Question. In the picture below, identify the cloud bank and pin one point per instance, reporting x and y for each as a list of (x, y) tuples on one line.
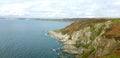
[(60, 8)]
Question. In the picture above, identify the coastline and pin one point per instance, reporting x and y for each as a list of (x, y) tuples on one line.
[(89, 38), (68, 45)]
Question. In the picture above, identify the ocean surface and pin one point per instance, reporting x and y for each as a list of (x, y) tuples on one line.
[(29, 39)]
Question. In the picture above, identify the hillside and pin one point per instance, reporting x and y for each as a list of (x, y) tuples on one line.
[(91, 38)]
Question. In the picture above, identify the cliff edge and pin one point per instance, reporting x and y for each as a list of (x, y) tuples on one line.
[(91, 38)]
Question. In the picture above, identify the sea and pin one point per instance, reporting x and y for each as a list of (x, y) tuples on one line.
[(29, 39)]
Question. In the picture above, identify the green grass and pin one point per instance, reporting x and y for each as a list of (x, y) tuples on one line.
[(57, 30), (117, 20), (76, 45), (87, 54), (112, 56), (87, 45)]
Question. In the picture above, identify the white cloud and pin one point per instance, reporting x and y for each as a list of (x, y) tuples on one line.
[(19, 8), (88, 13), (15, 9), (117, 3), (61, 8), (90, 16)]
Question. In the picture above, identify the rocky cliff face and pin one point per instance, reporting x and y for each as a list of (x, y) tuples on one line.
[(90, 38)]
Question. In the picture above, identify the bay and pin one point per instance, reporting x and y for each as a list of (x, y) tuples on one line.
[(28, 39)]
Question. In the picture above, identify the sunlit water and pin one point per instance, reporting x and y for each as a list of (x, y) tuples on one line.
[(28, 39)]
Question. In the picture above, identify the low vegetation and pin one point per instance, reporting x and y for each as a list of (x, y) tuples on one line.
[(95, 38)]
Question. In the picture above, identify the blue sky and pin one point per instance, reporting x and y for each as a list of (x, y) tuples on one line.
[(60, 8)]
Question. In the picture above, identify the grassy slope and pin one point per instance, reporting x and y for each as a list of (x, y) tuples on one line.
[(80, 24), (114, 31)]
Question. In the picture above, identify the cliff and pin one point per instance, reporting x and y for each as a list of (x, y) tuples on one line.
[(91, 38)]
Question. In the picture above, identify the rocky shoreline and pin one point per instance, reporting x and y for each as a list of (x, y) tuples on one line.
[(68, 45), (90, 38)]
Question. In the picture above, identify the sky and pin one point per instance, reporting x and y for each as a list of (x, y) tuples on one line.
[(60, 8)]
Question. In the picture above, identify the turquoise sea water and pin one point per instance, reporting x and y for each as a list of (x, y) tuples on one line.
[(28, 39)]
